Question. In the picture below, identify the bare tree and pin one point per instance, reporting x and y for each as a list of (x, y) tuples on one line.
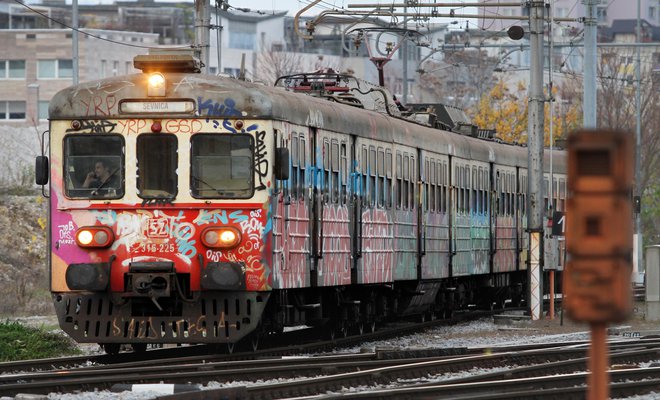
[(617, 109)]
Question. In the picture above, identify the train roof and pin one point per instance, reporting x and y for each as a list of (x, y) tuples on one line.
[(220, 97)]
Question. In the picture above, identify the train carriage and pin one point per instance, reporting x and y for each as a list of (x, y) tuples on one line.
[(187, 208)]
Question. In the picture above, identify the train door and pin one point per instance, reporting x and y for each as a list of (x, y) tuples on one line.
[(434, 221), (332, 237), (372, 187), (462, 262), (479, 217), (404, 213), (294, 271), (505, 233)]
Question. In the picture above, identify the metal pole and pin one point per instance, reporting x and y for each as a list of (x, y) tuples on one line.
[(74, 41), (598, 378), (404, 50), (590, 60), (535, 158), (202, 32), (637, 265)]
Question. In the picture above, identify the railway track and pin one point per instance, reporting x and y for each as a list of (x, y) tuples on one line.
[(367, 369)]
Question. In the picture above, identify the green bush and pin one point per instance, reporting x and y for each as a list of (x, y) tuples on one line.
[(19, 342)]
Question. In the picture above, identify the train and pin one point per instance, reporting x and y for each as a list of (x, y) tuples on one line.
[(190, 208)]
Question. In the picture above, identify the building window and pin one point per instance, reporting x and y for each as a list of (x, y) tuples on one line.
[(12, 110), (12, 69), (242, 35), (54, 69), (43, 109)]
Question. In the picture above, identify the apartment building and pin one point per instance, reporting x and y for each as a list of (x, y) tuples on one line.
[(37, 63)]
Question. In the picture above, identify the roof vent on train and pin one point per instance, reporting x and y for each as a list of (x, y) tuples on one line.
[(450, 118), (168, 61)]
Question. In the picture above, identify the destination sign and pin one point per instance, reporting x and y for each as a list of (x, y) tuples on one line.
[(157, 107)]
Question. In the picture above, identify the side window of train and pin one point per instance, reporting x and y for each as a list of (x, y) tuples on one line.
[(343, 157), (429, 184), (295, 166), (398, 182), (405, 202), (380, 164), (302, 165), (94, 166), (334, 168), (364, 162), (372, 170), (325, 186), (388, 178), (222, 167)]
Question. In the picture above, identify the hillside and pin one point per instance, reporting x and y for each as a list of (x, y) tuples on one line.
[(23, 250)]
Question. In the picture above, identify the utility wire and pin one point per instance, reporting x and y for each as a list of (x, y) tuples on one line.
[(91, 34)]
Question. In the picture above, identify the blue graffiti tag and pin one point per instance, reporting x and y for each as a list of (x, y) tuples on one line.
[(216, 109)]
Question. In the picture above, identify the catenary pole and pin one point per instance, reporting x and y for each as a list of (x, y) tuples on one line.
[(202, 31), (74, 41), (638, 257), (535, 157), (590, 62)]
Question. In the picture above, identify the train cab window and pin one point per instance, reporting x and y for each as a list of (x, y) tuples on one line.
[(222, 166), (156, 166), (94, 166)]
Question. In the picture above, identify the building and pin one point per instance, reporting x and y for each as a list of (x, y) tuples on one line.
[(36, 63)]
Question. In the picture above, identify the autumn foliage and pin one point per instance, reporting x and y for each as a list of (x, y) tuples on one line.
[(505, 110)]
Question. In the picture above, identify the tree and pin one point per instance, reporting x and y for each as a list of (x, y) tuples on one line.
[(617, 109), (505, 110)]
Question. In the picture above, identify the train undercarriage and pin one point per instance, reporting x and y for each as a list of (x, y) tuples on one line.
[(239, 316)]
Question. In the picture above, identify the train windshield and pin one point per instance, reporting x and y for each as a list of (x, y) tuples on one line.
[(94, 166), (222, 166), (156, 166)]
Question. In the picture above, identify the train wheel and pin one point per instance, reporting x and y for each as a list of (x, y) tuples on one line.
[(111, 348), (139, 347)]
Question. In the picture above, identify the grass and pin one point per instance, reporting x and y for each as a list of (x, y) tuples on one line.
[(19, 342)]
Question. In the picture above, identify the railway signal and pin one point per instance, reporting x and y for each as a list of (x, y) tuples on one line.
[(597, 285), (599, 226)]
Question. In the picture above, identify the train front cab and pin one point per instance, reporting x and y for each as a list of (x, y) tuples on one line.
[(175, 247)]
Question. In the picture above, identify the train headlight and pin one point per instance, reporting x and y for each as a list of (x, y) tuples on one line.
[(94, 236), (221, 237), (156, 85)]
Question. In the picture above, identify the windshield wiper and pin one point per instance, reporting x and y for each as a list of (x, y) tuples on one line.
[(218, 191)]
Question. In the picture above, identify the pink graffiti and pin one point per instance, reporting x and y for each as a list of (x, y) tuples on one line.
[(376, 263), (335, 266)]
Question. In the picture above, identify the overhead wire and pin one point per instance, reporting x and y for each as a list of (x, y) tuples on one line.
[(91, 34)]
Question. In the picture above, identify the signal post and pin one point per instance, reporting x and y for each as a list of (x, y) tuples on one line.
[(597, 284)]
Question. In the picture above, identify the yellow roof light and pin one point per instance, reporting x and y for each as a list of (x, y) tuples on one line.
[(156, 85)]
